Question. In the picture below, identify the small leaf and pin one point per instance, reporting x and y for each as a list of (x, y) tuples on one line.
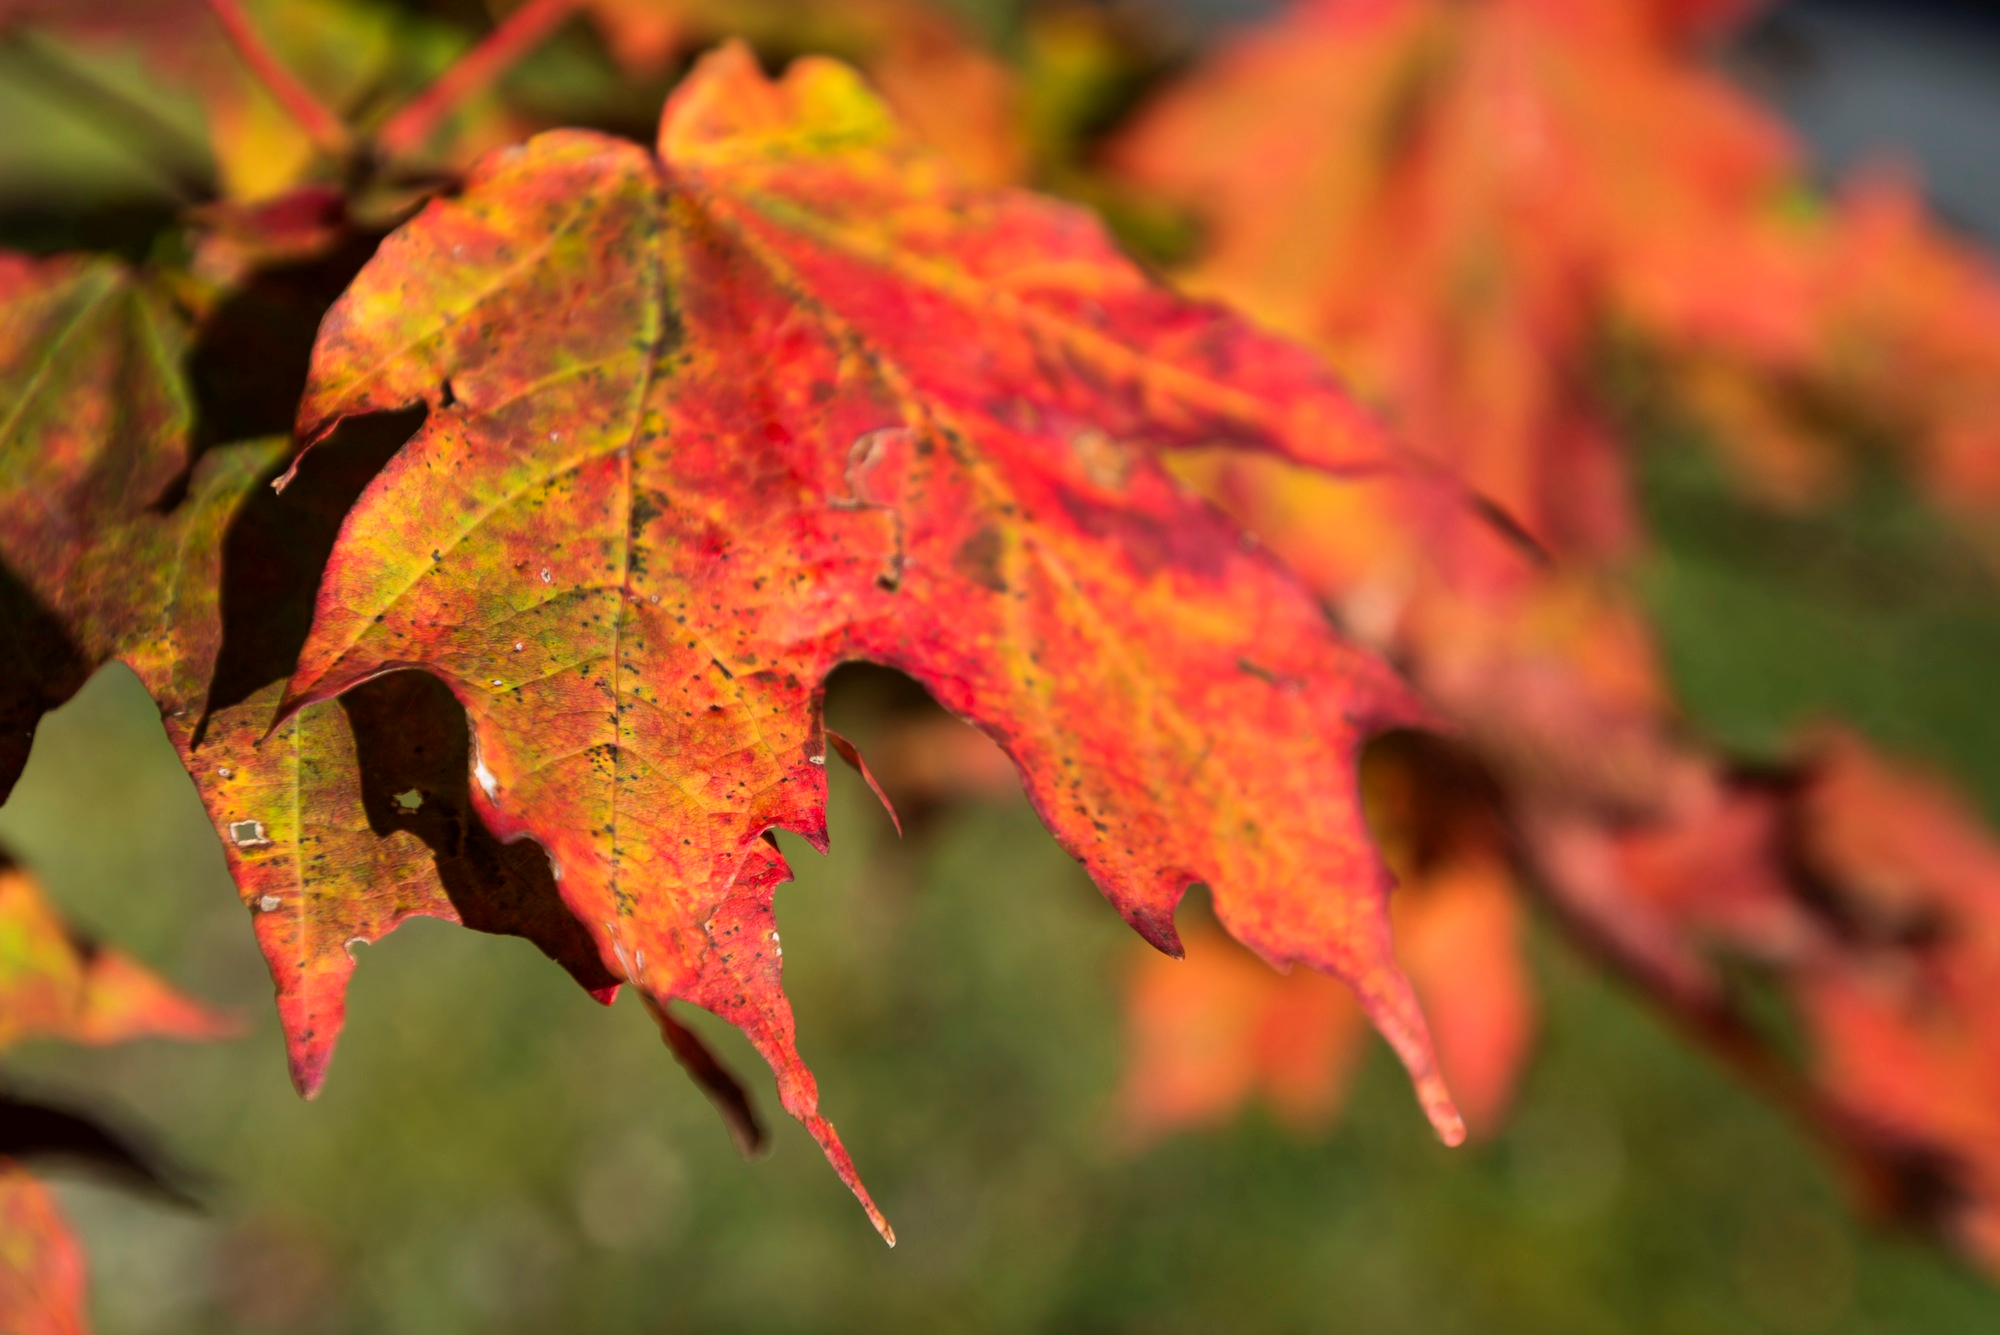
[(53, 986)]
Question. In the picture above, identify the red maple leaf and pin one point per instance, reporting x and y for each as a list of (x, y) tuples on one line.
[(704, 425)]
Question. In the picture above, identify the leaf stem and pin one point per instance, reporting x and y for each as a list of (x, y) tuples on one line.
[(517, 34), (325, 129)]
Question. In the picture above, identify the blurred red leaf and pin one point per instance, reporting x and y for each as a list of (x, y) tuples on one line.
[(1468, 204), (41, 1266), (1470, 207), (1902, 1032), (956, 97), (54, 986), (1871, 896)]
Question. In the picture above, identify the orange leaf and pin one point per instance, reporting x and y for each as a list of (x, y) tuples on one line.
[(704, 425), (55, 986)]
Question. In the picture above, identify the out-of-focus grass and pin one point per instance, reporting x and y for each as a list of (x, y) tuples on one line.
[(1875, 614), (495, 1152)]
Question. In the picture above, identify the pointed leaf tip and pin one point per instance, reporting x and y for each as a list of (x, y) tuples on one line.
[(836, 1154), (1394, 1011), (851, 753), (1443, 1113), (307, 1059)]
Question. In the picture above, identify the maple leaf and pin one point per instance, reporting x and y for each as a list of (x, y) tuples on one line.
[(702, 426), (103, 558), (54, 986)]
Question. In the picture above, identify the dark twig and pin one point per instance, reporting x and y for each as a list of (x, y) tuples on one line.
[(34, 1131)]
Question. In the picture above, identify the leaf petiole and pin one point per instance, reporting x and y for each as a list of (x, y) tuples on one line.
[(516, 35), (327, 131)]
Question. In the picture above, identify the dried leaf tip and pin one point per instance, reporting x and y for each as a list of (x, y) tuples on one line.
[(851, 753), (1443, 1113)]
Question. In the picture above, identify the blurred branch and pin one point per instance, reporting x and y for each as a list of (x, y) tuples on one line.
[(325, 129), (518, 34)]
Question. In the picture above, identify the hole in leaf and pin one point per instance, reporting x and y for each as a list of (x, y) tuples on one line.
[(413, 749)]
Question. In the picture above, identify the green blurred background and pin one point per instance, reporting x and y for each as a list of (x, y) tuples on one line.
[(494, 1152)]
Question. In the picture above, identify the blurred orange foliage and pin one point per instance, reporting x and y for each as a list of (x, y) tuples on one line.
[(1479, 211), (53, 986)]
